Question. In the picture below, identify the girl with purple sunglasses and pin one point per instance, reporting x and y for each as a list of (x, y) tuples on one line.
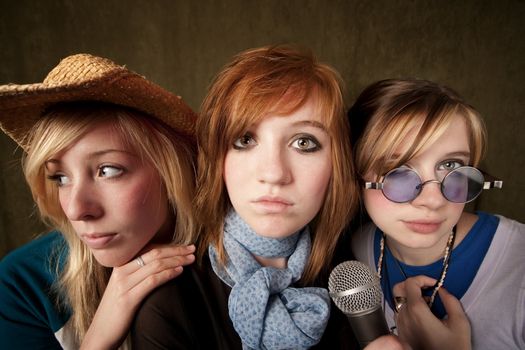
[(417, 148)]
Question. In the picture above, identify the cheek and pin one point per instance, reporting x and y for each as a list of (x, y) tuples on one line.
[(319, 181), (63, 201), (144, 205), (455, 210), (377, 205), (234, 178), (315, 181)]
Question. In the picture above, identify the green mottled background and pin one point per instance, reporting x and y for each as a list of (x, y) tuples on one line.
[(477, 47)]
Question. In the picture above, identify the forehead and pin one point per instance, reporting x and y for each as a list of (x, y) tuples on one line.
[(102, 135), (309, 109)]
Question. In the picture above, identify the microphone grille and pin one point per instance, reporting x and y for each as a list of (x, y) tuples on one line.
[(354, 288)]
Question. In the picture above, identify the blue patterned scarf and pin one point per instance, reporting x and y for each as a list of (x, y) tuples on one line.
[(266, 311)]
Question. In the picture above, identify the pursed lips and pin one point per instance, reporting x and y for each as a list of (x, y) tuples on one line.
[(423, 226), (272, 204), (97, 240)]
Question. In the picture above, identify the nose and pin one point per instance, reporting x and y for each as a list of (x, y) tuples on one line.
[(80, 202), (273, 167), (430, 195)]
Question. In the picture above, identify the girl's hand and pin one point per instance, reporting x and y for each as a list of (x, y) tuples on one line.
[(387, 342), (418, 326), (128, 285)]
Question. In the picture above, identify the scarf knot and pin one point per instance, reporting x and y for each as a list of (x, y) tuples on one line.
[(266, 311)]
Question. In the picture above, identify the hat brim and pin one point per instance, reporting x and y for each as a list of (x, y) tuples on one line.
[(22, 105)]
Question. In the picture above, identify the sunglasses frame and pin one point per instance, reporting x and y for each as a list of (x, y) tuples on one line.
[(489, 182)]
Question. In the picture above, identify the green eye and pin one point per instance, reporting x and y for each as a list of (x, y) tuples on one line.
[(450, 165), (243, 142), (306, 144)]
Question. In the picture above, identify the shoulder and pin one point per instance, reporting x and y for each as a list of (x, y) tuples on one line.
[(511, 226), (197, 284), (36, 257), (188, 312), (28, 297), (506, 249), (509, 238)]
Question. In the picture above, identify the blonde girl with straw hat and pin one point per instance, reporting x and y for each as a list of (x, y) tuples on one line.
[(109, 161)]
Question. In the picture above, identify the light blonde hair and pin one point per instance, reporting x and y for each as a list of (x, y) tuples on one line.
[(386, 111), (254, 83), (83, 280)]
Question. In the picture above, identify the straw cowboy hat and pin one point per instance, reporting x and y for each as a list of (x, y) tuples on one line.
[(84, 77)]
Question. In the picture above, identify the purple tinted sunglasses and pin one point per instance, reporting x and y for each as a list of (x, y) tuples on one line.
[(461, 185)]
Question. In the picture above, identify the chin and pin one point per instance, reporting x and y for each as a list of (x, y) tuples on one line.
[(273, 233), (111, 260)]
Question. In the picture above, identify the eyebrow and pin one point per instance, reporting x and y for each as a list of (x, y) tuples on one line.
[(465, 154), (313, 123), (95, 155)]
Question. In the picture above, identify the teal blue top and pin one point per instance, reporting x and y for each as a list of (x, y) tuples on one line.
[(30, 311)]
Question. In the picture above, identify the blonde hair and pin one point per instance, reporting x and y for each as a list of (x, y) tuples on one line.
[(386, 111), (83, 280), (253, 84)]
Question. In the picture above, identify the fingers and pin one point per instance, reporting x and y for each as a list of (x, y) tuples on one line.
[(456, 314), (170, 250), (451, 303), (176, 255), (159, 270), (414, 283), (155, 266), (389, 342), (145, 284), (413, 286), (410, 290)]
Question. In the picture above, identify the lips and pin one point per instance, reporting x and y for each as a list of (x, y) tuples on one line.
[(423, 226), (97, 240), (272, 205)]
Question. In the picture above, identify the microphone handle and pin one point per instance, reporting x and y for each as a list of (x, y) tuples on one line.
[(368, 327)]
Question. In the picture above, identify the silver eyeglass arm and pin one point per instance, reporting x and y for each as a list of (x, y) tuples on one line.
[(373, 185), (492, 184)]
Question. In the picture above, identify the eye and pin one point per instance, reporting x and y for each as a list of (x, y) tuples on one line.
[(59, 179), (243, 142), (109, 171), (450, 165), (306, 144)]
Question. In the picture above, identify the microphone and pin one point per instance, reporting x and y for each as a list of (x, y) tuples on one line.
[(356, 291)]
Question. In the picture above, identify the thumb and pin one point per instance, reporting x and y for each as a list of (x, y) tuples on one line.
[(451, 303), (456, 314)]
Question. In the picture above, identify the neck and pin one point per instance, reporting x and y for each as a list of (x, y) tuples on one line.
[(166, 232), (417, 256), (279, 263)]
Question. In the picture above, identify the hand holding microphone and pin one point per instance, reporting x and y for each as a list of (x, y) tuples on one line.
[(355, 290), (420, 328)]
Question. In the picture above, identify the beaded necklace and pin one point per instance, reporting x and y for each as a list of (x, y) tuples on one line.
[(446, 262)]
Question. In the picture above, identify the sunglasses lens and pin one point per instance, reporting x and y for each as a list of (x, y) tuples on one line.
[(401, 185), (463, 184)]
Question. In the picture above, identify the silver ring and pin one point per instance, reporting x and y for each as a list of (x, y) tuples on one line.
[(399, 303), (140, 261)]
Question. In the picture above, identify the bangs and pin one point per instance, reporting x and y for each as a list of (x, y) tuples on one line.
[(422, 129), (256, 96), (257, 103)]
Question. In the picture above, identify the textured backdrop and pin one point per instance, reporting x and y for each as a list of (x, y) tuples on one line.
[(476, 47)]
